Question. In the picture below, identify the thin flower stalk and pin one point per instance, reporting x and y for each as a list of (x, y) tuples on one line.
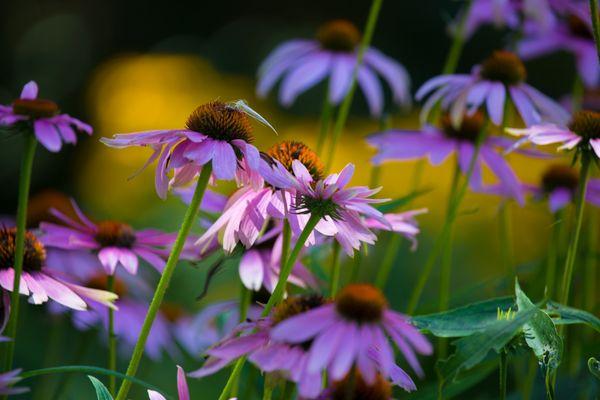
[(112, 339), (325, 125), (344, 108), (458, 43), (163, 284), (595, 24), (24, 185), (336, 267), (554, 252)]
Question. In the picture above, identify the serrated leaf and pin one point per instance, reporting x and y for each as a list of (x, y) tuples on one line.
[(563, 315), (393, 205), (466, 320), (540, 332), (102, 392), (471, 350)]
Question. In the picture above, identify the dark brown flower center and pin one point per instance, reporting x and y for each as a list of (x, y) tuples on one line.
[(559, 177), (586, 124), (172, 312), (503, 66), (591, 100), (221, 122), (296, 305), (35, 108), (338, 35), (113, 233), (34, 255), (100, 282), (288, 151), (469, 129), (355, 388), (362, 303), (579, 28)]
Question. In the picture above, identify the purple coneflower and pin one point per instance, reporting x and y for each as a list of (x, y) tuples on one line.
[(302, 63), (216, 132), (49, 126), (439, 143), (573, 34), (581, 133), (183, 392), (40, 281), (116, 243), (352, 331), (499, 78)]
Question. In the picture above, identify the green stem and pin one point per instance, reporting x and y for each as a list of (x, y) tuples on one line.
[(503, 374), (112, 339), (163, 283), (574, 243), (345, 106), (458, 43), (444, 296), (506, 242), (553, 253), (285, 244), (276, 296), (24, 184), (590, 263), (388, 260), (595, 24), (326, 114), (335, 269), (245, 297), (86, 369), (268, 387), (288, 391)]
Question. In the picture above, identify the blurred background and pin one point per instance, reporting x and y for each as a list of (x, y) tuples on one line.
[(137, 65)]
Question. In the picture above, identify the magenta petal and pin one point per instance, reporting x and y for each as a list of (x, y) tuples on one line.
[(47, 135), (402, 379), (224, 161), (252, 270), (109, 258), (304, 326), (344, 358), (30, 91), (60, 292), (128, 260), (182, 387), (325, 345)]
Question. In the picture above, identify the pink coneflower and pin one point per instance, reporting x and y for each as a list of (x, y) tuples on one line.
[(352, 331), (115, 243), (49, 126), (183, 392), (302, 63), (581, 133), (218, 133), (439, 143), (342, 209), (39, 281), (499, 78)]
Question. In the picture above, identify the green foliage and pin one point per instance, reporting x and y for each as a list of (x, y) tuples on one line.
[(568, 315), (102, 392), (594, 367)]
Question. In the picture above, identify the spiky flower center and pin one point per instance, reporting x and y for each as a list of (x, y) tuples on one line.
[(288, 151), (559, 177), (579, 28), (296, 305), (338, 35), (306, 204), (221, 122), (355, 388), (114, 233), (586, 124), (34, 255), (35, 108), (100, 281), (172, 312), (503, 66), (469, 129), (361, 303)]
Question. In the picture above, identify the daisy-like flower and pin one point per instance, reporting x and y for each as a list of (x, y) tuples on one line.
[(343, 210), (38, 280), (498, 79), (581, 133), (332, 55), (354, 386), (51, 128), (217, 133), (115, 243), (183, 392), (573, 34), (353, 331), (439, 143)]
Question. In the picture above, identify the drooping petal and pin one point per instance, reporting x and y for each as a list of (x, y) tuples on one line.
[(30, 91), (47, 135), (252, 270)]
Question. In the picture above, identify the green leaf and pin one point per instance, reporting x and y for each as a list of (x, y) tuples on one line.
[(594, 367), (464, 321), (393, 205), (563, 315), (471, 350), (102, 392)]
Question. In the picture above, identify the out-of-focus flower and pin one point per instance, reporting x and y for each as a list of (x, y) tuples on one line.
[(439, 143), (40, 281), (403, 223), (217, 133), (342, 209), (573, 34), (183, 392), (499, 78), (354, 383), (302, 63), (582, 133), (7, 380), (352, 331), (50, 127), (115, 242)]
